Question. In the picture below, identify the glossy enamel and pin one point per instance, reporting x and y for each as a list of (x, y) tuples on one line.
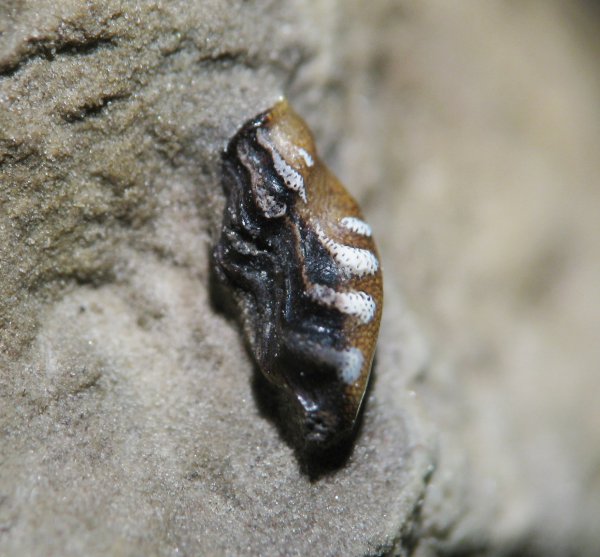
[(302, 265)]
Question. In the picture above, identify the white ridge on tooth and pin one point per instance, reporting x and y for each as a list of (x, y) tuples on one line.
[(351, 365), (291, 178), (355, 261), (354, 302), (306, 156), (356, 225)]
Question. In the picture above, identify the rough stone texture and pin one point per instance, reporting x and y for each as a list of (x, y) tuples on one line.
[(129, 424)]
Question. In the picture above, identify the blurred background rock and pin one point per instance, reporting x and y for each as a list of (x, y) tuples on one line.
[(469, 131)]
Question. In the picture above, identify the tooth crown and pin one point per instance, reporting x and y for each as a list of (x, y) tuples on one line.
[(304, 270)]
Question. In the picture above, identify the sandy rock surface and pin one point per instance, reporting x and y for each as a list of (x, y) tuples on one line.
[(129, 418)]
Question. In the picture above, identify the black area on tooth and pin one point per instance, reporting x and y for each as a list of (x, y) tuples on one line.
[(319, 266)]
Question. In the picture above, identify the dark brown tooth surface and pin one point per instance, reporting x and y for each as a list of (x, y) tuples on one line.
[(304, 270)]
